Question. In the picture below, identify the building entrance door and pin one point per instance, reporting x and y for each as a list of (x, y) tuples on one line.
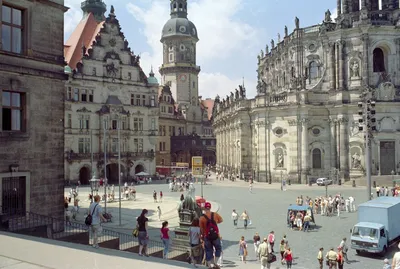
[(13, 196), (387, 157)]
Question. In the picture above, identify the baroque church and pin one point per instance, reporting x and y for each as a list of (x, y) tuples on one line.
[(111, 106), (304, 122)]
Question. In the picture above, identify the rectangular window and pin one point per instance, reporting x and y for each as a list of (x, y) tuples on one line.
[(153, 101), (163, 109), (140, 145), (135, 124), (13, 111), (11, 29), (164, 132), (164, 148), (160, 130), (194, 84), (135, 145), (143, 100), (114, 124), (138, 99), (173, 130), (140, 124), (161, 146), (81, 147), (84, 95), (124, 125), (170, 110), (87, 122), (153, 124), (69, 121), (76, 95), (170, 130), (114, 145), (90, 92), (171, 57), (69, 93), (132, 99), (87, 145)]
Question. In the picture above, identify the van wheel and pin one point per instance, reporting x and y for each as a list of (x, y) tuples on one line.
[(358, 252)]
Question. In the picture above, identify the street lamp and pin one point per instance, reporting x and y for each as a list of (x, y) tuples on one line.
[(94, 185), (281, 180), (201, 182)]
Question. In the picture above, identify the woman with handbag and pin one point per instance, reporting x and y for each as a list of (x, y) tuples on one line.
[(195, 243), (288, 258), (242, 249), (143, 237)]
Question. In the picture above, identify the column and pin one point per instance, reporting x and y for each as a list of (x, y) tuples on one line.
[(332, 125), (331, 65), (344, 150), (365, 39), (340, 55), (267, 151), (337, 142), (336, 63), (339, 7), (345, 6), (304, 150)]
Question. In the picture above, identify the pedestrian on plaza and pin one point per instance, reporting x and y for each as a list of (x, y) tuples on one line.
[(271, 240), (95, 211), (209, 229), (159, 212), (284, 185), (320, 258), (344, 249), (143, 237), (256, 239), (286, 241), (243, 249), (331, 257), (155, 196), (251, 186), (161, 196), (263, 252), (288, 258), (386, 264), (282, 250), (306, 225), (338, 209), (196, 252), (165, 238), (340, 260), (235, 218), (220, 261), (396, 259), (378, 190), (246, 218)]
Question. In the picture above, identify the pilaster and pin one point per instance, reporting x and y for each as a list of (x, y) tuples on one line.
[(365, 39), (333, 147), (344, 149), (304, 150), (341, 44)]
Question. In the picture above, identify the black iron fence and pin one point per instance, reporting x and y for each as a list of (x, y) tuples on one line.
[(37, 225)]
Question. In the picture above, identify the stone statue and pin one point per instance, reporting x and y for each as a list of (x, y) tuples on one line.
[(112, 11), (266, 49), (355, 70), (217, 99), (272, 44), (356, 161), (286, 31), (279, 37), (232, 97), (297, 23), (259, 58), (279, 160), (328, 16), (236, 94), (223, 103), (242, 91), (227, 100), (189, 204), (262, 54)]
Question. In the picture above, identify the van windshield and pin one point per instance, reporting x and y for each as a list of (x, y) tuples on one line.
[(364, 232)]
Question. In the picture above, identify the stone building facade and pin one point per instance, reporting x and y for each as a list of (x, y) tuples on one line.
[(304, 121), (183, 112), (106, 91), (31, 107)]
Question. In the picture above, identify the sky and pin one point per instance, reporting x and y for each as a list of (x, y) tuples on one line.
[(232, 33)]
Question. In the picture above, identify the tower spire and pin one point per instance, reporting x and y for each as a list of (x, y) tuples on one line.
[(178, 8)]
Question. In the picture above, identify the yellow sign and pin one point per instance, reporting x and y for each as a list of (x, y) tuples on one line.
[(197, 165), (182, 164)]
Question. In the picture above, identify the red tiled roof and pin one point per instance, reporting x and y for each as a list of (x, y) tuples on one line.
[(209, 105), (83, 35)]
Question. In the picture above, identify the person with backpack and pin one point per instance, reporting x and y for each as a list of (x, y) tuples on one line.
[(94, 219), (209, 229)]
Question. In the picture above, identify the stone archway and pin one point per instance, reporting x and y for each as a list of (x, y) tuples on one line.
[(139, 168), (84, 175), (112, 173)]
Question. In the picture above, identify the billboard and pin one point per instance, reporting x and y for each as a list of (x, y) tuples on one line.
[(197, 165)]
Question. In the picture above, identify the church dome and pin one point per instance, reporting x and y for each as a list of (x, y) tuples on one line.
[(152, 79), (179, 27)]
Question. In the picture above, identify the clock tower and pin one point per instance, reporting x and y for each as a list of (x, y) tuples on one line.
[(179, 69)]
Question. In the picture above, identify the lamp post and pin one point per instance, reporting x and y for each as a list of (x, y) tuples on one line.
[(94, 185), (105, 167), (202, 187), (119, 171), (281, 180)]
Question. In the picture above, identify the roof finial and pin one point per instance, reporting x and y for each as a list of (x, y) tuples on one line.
[(243, 82), (151, 71)]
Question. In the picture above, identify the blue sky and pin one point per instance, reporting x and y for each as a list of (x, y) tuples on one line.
[(231, 32)]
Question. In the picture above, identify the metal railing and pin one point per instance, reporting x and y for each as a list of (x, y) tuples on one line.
[(37, 225)]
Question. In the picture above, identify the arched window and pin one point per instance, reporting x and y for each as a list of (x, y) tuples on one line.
[(316, 159), (313, 70), (379, 60)]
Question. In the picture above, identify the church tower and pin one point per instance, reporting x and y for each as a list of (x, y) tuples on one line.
[(96, 7), (179, 69)]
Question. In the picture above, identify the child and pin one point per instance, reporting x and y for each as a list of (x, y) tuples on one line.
[(159, 212)]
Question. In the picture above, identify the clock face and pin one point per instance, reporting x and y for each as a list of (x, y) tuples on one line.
[(182, 78)]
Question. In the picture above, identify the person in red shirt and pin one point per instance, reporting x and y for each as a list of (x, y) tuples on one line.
[(210, 233), (165, 238), (289, 258)]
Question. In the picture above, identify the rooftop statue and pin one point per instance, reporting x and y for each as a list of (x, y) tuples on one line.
[(262, 54), (279, 37), (297, 23), (272, 44), (242, 91), (328, 17), (236, 94), (266, 49), (286, 31)]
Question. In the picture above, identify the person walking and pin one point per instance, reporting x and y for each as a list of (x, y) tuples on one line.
[(263, 251), (209, 229), (165, 238), (161, 196), (196, 252), (320, 258), (256, 239), (344, 248), (159, 212), (340, 260), (331, 256), (143, 237), (245, 217), (282, 250), (243, 249), (271, 240), (235, 218), (251, 187), (288, 258), (155, 196), (95, 211)]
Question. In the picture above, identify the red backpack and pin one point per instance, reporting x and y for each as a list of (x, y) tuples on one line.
[(212, 231)]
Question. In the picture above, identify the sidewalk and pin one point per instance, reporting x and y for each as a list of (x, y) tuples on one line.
[(24, 252)]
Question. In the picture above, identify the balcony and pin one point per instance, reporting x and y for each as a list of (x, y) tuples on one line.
[(72, 156)]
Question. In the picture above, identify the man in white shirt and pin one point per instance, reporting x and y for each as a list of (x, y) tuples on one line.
[(344, 248), (97, 217), (352, 204), (263, 250), (235, 218), (396, 259)]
